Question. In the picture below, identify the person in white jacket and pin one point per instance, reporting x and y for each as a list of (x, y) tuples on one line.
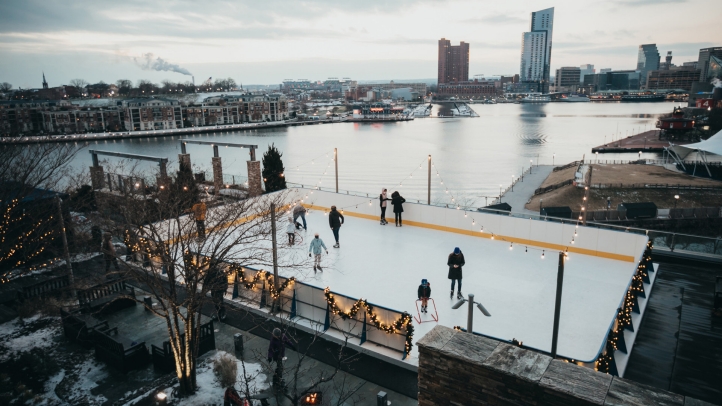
[(291, 231), (315, 248)]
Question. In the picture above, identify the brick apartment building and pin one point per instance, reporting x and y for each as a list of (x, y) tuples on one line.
[(453, 62)]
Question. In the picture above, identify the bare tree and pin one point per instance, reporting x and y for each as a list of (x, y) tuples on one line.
[(78, 83), (27, 231), (5, 87), (182, 267), (124, 86)]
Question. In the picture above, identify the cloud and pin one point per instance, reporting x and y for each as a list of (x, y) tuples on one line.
[(496, 19), (641, 3)]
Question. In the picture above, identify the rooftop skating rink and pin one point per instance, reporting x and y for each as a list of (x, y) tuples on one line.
[(385, 265)]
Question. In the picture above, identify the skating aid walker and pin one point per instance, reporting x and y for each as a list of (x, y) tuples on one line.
[(434, 314)]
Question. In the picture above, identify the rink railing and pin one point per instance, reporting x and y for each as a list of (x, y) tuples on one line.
[(307, 302), (663, 240)]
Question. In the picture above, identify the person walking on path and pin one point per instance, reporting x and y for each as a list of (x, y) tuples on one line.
[(455, 262), (397, 201), (277, 354), (382, 202), (300, 211), (335, 220), (291, 230), (199, 214), (424, 293), (315, 249), (109, 254)]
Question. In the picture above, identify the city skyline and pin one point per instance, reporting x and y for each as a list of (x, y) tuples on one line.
[(267, 43)]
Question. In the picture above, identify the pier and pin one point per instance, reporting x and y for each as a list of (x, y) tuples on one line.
[(647, 141)]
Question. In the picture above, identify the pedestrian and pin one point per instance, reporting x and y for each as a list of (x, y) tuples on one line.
[(109, 255), (315, 248), (277, 354), (291, 231), (300, 211), (216, 282), (382, 202), (455, 262), (424, 293), (397, 201), (199, 214), (335, 220)]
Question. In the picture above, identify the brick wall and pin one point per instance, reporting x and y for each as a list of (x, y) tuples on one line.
[(457, 368)]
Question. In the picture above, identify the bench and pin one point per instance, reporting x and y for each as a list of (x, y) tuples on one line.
[(80, 328), (119, 351), (163, 359), (106, 297), (44, 287)]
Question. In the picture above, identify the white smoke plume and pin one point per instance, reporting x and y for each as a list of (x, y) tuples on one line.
[(150, 62), (716, 82)]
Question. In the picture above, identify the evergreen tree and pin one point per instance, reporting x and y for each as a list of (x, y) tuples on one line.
[(185, 188), (273, 171)]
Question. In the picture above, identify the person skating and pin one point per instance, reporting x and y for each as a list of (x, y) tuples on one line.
[(315, 249), (291, 230), (277, 354), (109, 254), (424, 294), (335, 220), (199, 214), (397, 201), (455, 262), (300, 211), (382, 202)]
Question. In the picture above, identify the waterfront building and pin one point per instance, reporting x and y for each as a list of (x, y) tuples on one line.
[(152, 114), (675, 77), (586, 69), (691, 64), (73, 120), (647, 60), (567, 78), (453, 62), (468, 89), (536, 50), (667, 64), (704, 60), (613, 80)]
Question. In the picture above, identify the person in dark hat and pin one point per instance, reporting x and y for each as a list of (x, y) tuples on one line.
[(424, 293), (455, 262)]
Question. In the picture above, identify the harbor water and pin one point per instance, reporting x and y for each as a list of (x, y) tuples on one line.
[(473, 156)]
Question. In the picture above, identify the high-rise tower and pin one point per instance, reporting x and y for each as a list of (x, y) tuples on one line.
[(647, 60), (45, 83), (536, 50), (453, 62)]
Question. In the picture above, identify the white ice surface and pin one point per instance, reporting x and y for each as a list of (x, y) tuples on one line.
[(385, 264)]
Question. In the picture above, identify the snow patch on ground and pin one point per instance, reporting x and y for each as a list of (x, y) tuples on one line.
[(209, 389), (15, 341), (89, 373)]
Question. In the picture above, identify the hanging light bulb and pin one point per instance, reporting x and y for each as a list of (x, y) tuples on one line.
[(511, 246), (482, 229), (492, 236), (526, 249), (542, 254)]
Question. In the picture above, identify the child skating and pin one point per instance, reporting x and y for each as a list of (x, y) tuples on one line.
[(291, 231), (424, 294), (315, 249)]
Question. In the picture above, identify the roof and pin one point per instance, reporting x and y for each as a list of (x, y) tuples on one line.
[(30, 194), (712, 145)]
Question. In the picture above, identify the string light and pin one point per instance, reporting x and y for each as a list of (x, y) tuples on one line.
[(542, 257)]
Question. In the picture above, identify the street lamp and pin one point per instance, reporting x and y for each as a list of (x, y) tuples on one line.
[(470, 315), (676, 197), (553, 156), (531, 165)]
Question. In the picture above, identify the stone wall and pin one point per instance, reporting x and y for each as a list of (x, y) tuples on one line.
[(457, 368)]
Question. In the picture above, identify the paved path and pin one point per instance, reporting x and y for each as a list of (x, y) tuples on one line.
[(524, 190)]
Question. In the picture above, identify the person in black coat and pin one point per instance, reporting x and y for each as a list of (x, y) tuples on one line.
[(335, 219), (382, 203), (455, 262), (397, 201), (424, 293)]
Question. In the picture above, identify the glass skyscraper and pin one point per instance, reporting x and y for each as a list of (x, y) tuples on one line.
[(647, 60), (536, 50)]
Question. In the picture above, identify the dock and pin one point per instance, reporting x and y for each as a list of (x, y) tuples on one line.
[(378, 119), (647, 141)]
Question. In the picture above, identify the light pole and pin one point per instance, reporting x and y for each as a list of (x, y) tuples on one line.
[(553, 156), (512, 183), (676, 197), (531, 165), (470, 315), (558, 303), (500, 186)]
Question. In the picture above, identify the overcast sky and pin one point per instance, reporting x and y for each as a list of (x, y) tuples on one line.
[(265, 42)]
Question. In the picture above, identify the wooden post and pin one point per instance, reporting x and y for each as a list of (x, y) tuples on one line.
[(276, 302), (335, 161), (428, 188), (558, 304)]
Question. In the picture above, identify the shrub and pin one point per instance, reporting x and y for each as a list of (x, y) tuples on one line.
[(226, 370)]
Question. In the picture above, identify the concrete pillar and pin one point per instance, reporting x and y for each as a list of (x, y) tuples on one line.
[(254, 178), (184, 159), (97, 177), (217, 174)]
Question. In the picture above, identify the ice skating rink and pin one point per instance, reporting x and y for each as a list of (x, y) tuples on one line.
[(385, 265)]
